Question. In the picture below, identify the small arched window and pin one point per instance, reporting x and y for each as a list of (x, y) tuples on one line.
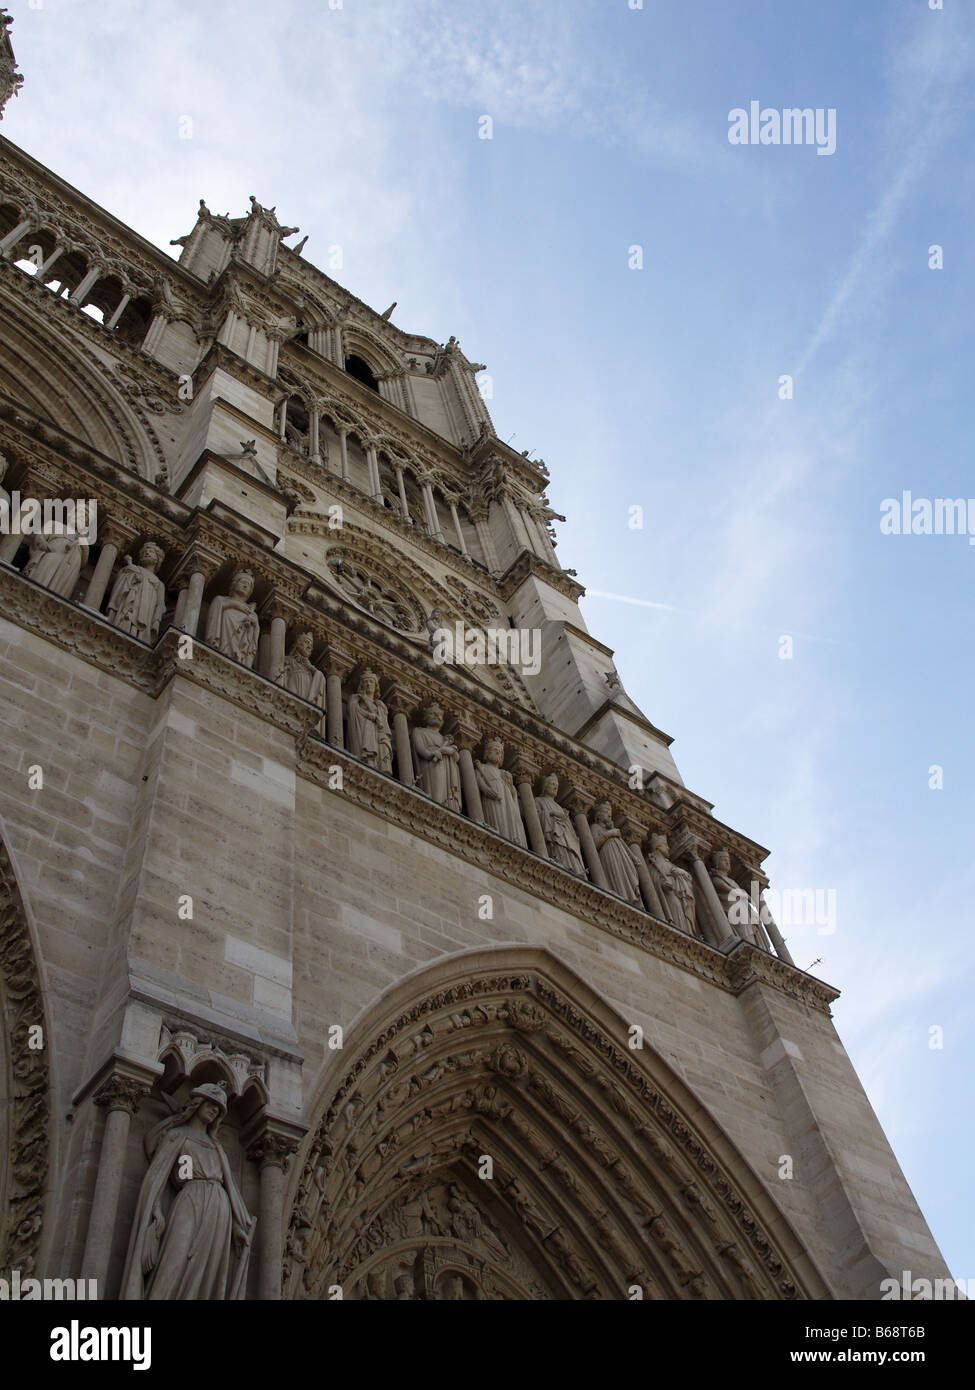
[(355, 366)]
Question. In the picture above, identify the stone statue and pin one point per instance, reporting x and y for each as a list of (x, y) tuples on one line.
[(614, 856), (674, 885), (297, 673), (498, 795), (437, 759), (232, 623), (560, 837), (367, 728), (192, 1233), (742, 914), (138, 595), (56, 561), (434, 625)]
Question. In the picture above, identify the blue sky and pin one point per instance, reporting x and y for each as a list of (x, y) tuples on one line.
[(659, 387)]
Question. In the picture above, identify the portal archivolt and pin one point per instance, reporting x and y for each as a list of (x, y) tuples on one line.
[(497, 1139)]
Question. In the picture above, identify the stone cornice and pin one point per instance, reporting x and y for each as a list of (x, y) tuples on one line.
[(527, 565)]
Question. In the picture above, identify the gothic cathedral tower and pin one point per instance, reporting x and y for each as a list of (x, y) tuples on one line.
[(356, 922)]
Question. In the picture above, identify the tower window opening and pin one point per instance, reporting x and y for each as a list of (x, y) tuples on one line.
[(361, 370)]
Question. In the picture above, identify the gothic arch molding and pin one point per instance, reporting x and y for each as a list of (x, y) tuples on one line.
[(606, 1172), (65, 384), (25, 1081)]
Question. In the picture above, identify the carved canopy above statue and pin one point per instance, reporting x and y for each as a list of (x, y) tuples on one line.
[(492, 1136)]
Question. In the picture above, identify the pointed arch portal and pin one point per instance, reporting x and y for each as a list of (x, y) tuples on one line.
[(488, 1133)]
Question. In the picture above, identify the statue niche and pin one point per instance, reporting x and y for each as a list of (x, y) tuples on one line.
[(233, 626), (615, 858), (561, 840), (138, 595), (499, 798), (437, 760), (367, 726), (192, 1233)]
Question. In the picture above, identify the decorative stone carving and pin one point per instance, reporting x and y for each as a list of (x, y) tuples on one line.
[(233, 626), (297, 673), (138, 595), (56, 562), (199, 1247), (437, 760), (26, 1127), (561, 839), (367, 732), (742, 914), (498, 795), (615, 858), (673, 884), (367, 591)]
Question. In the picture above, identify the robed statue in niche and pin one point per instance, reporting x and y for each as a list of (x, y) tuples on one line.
[(192, 1233)]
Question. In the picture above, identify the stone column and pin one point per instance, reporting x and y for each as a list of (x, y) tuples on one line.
[(12, 238), (313, 445), (401, 485), (372, 463), (467, 738), (43, 270), (635, 835), (120, 1096), (714, 922), (483, 530), (113, 538), (430, 506), (768, 922), (178, 615), (400, 701), (524, 771), (278, 611), (337, 665), (89, 282), (200, 563), (579, 804), (452, 504), (344, 452), (194, 602), (119, 311), (283, 422), (272, 1150)]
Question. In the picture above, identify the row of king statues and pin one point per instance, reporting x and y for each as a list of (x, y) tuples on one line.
[(136, 604)]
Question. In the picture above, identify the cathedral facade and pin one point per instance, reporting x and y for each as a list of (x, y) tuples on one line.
[(360, 938)]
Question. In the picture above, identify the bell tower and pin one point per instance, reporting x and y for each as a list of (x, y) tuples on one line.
[(333, 850)]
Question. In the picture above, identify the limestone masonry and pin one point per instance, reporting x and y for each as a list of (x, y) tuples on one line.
[(359, 935)]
